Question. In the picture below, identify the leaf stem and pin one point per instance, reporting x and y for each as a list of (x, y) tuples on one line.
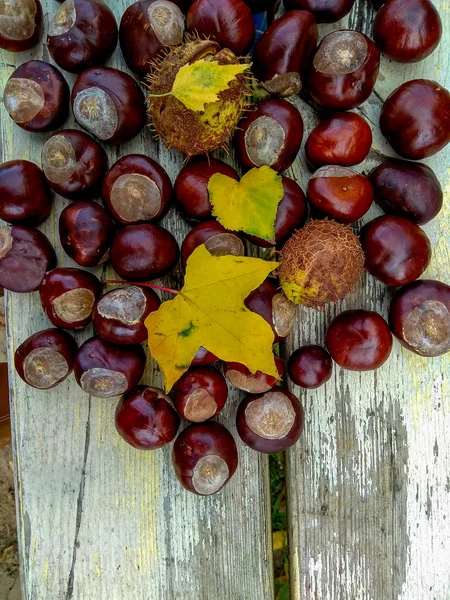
[(147, 285)]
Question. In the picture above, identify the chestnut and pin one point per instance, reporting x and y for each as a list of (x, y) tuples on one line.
[(272, 305), (74, 164), (200, 394), (25, 198), (82, 34), (310, 366), (46, 358), (344, 139), (359, 340), (104, 370), (37, 96), (25, 256), (191, 187), (218, 240), (253, 383), (270, 135), (415, 119), (119, 315), (270, 422), (407, 30), (20, 24), (204, 457), (146, 419), (227, 22), (292, 213), (203, 358), (137, 190), (86, 233), (340, 193), (419, 316), (411, 190), (109, 104), (344, 70), (323, 10), (146, 28), (68, 297), (141, 252), (397, 250), (283, 54)]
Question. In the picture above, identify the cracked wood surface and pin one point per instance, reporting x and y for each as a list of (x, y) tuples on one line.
[(98, 519), (368, 484)]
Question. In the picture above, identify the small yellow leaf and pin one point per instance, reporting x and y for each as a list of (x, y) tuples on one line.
[(210, 312), (201, 82), (250, 204), (279, 540)]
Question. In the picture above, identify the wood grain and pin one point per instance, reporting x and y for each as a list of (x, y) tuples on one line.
[(368, 484), (98, 519)]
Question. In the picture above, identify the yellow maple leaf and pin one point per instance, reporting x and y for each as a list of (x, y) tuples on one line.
[(210, 312), (250, 204), (201, 82)]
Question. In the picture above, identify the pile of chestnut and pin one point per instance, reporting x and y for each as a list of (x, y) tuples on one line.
[(337, 76)]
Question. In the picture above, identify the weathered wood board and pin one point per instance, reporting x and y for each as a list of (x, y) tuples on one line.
[(98, 519), (368, 484)]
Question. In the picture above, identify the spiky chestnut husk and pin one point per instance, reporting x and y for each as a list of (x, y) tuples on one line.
[(321, 263), (186, 130)]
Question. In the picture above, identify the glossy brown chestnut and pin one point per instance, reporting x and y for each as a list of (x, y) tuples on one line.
[(291, 215), (203, 358), (344, 139), (218, 240), (397, 250), (270, 422), (340, 193), (137, 190), (141, 252), (283, 54), (146, 28), (228, 22), (146, 419), (415, 119), (325, 11), (25, 198), (86, 233), (82, 34), (204, 457), (419, 316), (37, 97), (272, 305), (68, 297), (407, 30), (119, 315), (253, 383), (200, 394), (109, 104), (344, 70), (359, 340), (104, 370), (46, 358), (310, 366), (270, 135), (25, 256), (191, 187), (20, 24), (411, 190), (74, 164)]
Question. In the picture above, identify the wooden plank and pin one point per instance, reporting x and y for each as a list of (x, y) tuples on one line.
[(368, 484), (98, 519)]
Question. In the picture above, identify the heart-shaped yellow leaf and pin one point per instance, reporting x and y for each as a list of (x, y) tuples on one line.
[(210, 312), (201, 82), (250, 204)]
